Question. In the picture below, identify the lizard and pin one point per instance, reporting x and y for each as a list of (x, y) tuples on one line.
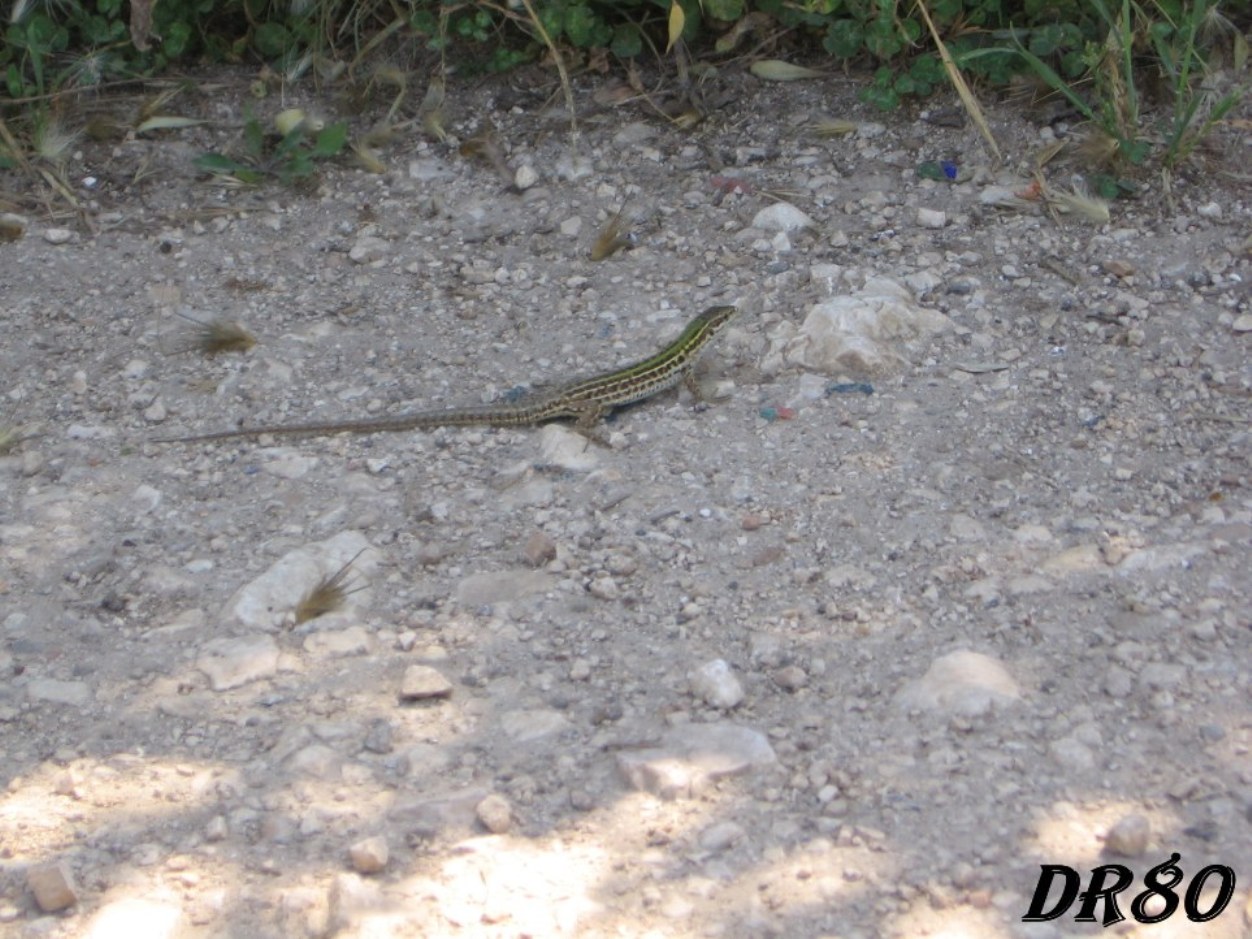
[(585, 401)]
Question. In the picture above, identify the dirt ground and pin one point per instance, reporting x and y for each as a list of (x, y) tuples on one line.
[(845, 651)]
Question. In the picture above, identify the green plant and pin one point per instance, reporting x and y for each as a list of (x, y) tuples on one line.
[(1173, 29), (1111, 65), (290, 160), (1175, 39)]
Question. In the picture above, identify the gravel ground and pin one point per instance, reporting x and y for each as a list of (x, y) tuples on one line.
[(947, 580)]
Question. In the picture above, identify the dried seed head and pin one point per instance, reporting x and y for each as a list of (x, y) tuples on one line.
[(1097, 148), (611, 239), (218, 335), (328, 594)]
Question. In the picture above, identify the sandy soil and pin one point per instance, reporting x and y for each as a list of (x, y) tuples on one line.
[(992, 615)]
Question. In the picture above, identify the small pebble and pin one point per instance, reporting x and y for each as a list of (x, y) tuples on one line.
[(495, 813), (539, 549), (421, 682), (716, 685), (790, 678), (525, 177), (53, 886), (369, 855), (1129, 836)]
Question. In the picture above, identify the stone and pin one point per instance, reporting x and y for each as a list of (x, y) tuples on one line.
[(268, 601), (566, 449), (331, 643), (369, 855), (691, 756), (539, 549), (1129, 836), (421, 682), (962, 683), (790, 678), (866, 333), (500, 587), (525, 177), (495, 814), (524, 726), (233, 662), (149, 917), (721, 835), (782, 217), (716, 685), (52, 886)]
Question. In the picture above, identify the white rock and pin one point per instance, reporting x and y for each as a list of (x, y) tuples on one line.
[(716, 685), (500, 587), (421, 682), (135, 369), (784, 217), (155, 412), (269, 599), (230, 663), (1242, 323), (128, 917), (561, 447), (328, 643), (430, 170), (526, 725), (693, 755), (352, 900), (58, 236), (962, 682), (369, 249), (721, 835), (525, 177), (866, 333), (931, 218)]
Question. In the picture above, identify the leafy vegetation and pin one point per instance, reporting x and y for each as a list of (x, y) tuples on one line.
[(289, 158), (1102, 55)]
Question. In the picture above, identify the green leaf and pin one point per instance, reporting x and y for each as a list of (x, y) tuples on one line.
[(844, 39), (220, 165), (254, 138), (289, 145), (1136, 151), (882, 39), (584, 28), (728, 10), (330, 140), (627, 42), (271, 40), (176, 39), (166, 122), (13, 79)]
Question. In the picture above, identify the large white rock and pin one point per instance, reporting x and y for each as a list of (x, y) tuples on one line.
[(875, 332)]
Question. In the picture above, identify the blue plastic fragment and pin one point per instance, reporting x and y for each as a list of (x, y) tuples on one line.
[(849, 387), (949, 168)]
